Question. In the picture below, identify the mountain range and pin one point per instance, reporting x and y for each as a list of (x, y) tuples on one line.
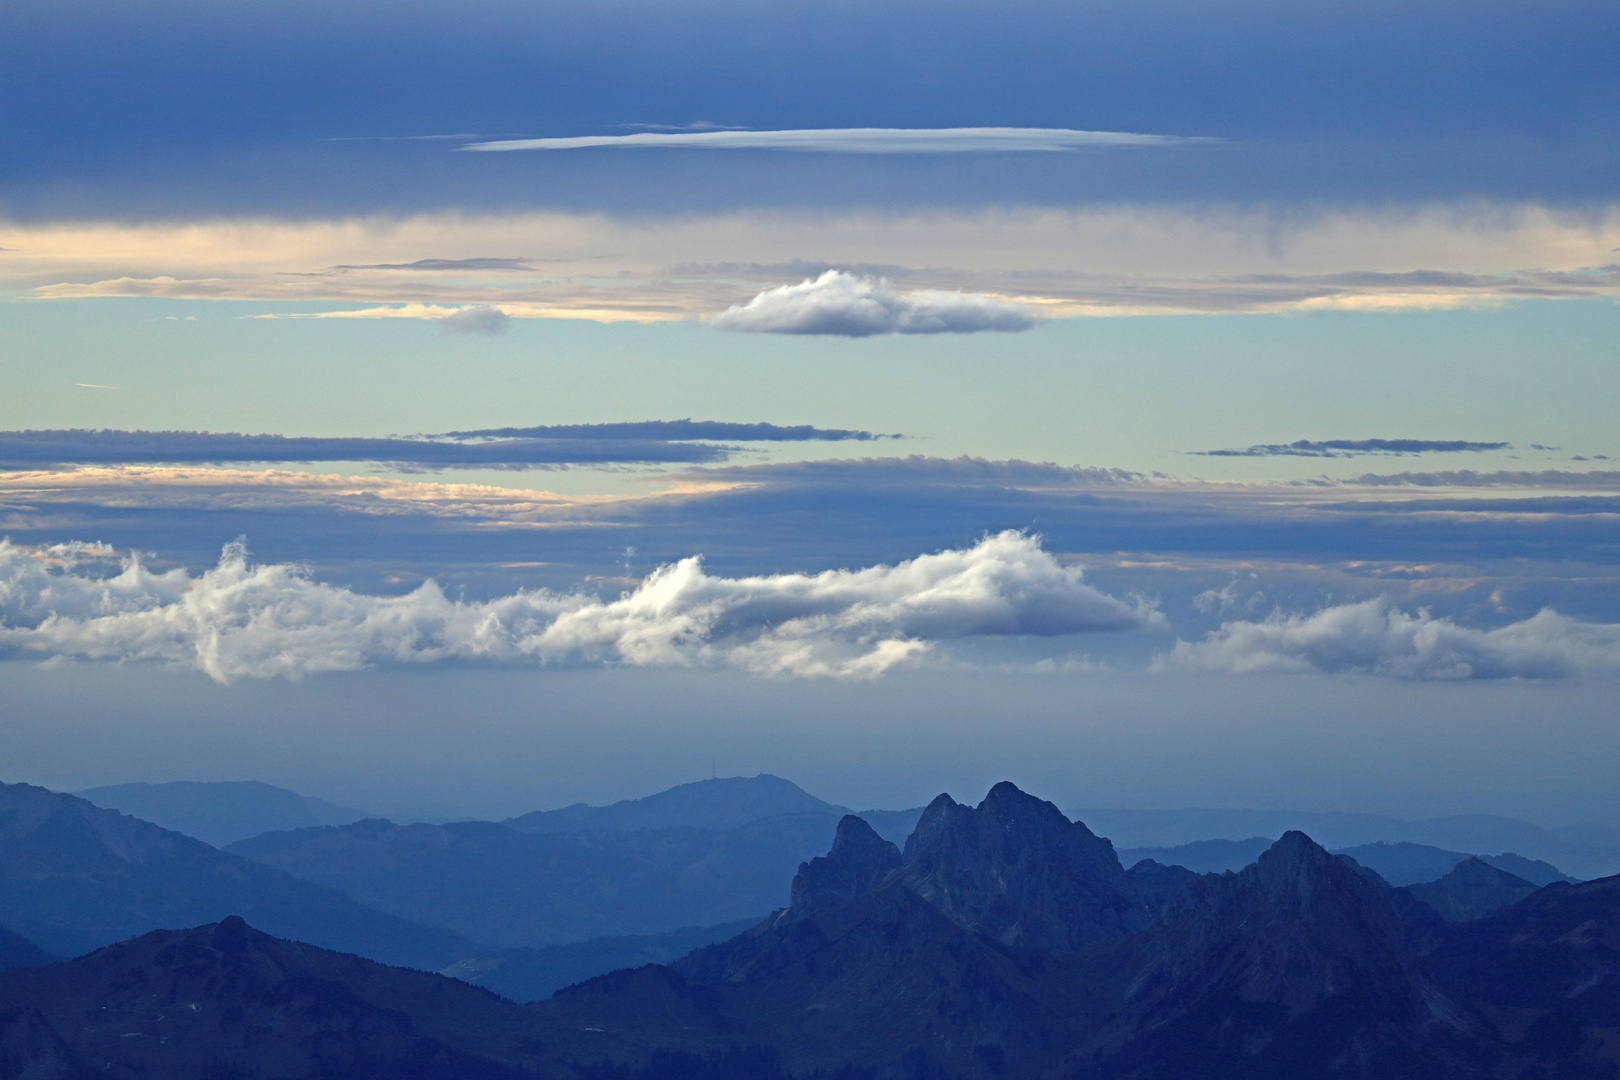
[(219, 812), (74, 877), (1003, 940)]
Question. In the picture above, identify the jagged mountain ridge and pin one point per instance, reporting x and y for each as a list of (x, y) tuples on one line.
[(1298, 966)]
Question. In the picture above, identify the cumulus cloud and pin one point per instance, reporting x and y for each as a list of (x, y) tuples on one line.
[(1374, 637), (481, 319), (262, 621), (852, 306), (853, 140)]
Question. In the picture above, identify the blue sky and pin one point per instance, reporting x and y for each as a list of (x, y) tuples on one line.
[(1150, 347)]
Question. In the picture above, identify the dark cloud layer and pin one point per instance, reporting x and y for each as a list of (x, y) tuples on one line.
[(569, 444)]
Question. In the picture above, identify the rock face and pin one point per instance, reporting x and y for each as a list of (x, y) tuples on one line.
[(1016, 869), (1158, 884), (1298, 965), (1472, 890), (859, 862)]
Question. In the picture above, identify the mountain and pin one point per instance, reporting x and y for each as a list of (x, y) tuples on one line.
[(509, 889), (721, 804), (893, 825), (225, 1000), (1584, 850), (1411, 864), (526, 974), (1029, 960), (74, 877), (18, 951), (1295, 966), (1201, 856), (219, 813), (1472, 890), (1032, 956), (1015, 868)]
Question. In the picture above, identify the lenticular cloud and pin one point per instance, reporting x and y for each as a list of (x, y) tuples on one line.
[(261, 621), (1374, 637), (852, 306)]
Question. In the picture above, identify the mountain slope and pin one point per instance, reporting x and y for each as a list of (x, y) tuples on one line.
[(720, 804), (74, 877), (511, 889), (1296, 966), (18, 951), (228, 1001), (219, 813), (1472, 890)]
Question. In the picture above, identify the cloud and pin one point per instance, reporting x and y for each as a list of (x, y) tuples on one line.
[(1551, 479), (851, 306), (676, 429), (684, 441), (178, 447), (482, 319), (481, 263), (1338, 448), (978, 140), (240, 620), (1101, 261), (1374, 637)]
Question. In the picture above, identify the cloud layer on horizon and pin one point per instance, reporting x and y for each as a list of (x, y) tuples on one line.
[(240, 620), (847, 305), (1373, 637)]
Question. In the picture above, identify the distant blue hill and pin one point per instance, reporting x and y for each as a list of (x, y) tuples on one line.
[(220, 813)]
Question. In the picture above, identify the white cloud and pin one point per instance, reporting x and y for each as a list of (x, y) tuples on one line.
[(852, 306), (1376, 638), (482, 319), (854, 140), (261, 621)]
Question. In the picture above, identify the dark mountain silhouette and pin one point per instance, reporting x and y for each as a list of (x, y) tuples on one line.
[(219, 813), (18, 951), (1557, 950), (1158, 884), (1587, 851), (527, 974), (228, 1001), (1015, 868), (721, 804), (74, 877), (1033, 956), (1412, 864), (1472, 890), (508, 889), (1202, 856)]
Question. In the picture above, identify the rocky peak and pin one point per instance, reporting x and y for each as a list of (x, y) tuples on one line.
[(1296, 927), (857, 863), (1015, 868)]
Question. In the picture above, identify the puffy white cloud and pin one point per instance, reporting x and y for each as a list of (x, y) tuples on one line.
[(1375, 637), (853, 306), (976, 140), (244, 620), (480, 319)]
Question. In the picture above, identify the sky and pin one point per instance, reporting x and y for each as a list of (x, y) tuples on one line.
[(467, 409)]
